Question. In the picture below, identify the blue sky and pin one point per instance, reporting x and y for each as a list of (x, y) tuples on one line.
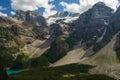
[(50, 7), (7, 4)]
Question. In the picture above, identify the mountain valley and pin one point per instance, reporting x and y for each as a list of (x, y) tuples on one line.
[(65, 46)]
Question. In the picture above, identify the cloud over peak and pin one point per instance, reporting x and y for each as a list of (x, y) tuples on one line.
[(33, 5), (49, 6), (72, 7), (84, 5), (3, 14)]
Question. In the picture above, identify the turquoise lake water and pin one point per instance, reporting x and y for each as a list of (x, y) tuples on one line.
[(9, 72)]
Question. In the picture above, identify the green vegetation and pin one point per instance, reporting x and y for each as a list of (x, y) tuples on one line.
[(54, 57), (67, 72), (61, 40), (6, 53), (117, 49), (59, 49), (23, 62), (6, 34), (15, 29), (40, 61), (6, 60), (89, 77), (11, 50), (74, 68), (118, 54), (3, 75), (37, 68)]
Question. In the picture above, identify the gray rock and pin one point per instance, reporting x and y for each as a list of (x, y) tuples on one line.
[(92, 27), (30, 17)]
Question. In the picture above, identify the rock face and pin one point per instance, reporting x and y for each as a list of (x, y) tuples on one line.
[(16, 38), (99, 13), (31, 17), (60, 29), (91, 31), (114, 21), (33, 21), (92, 27)]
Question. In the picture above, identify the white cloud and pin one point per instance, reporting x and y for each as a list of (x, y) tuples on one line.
[(49, 11), (84, 5), (3, 14), (72, 7), (1, 8), (51, 0), (34, 5), (12, 12)]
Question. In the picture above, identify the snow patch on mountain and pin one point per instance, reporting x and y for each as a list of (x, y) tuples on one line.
[(62, 17), (58, 20)]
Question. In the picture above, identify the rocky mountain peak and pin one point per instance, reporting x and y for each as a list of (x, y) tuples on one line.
[(100, 4), (98, 12), (30, 17), (92, 26)]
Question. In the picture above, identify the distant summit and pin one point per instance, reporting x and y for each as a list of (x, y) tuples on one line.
[(30, 17), (92, 26), (100, 3), (98, 12)]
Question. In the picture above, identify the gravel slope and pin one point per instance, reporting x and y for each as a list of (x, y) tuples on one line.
[(72, 56)]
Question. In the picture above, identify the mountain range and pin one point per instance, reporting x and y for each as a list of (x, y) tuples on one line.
[(92, 37)]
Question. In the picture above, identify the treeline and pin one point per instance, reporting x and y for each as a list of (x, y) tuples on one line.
[(23, 62), (67, 72), (58, 49), (3, 75)]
